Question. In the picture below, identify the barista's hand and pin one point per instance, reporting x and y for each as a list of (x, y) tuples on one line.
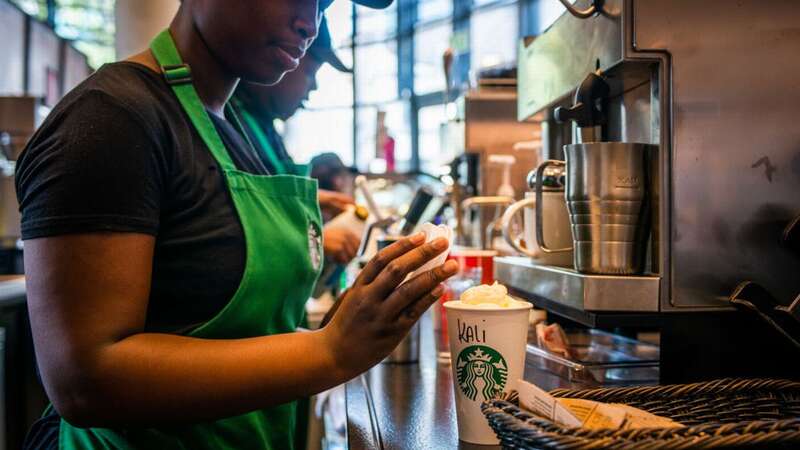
[(340, 244), (333, 203), (377, 312)]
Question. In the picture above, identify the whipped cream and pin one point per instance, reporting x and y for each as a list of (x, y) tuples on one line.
[(489, 297)]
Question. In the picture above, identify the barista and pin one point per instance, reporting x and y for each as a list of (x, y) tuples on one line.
[(260, 105), (167, 270)]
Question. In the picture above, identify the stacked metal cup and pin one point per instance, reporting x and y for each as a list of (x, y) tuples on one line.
[(608, 201)]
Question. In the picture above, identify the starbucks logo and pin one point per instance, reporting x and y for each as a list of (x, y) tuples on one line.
[(314, 246), (482, 372)]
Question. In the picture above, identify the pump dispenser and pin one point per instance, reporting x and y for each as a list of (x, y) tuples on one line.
[(506, 161)]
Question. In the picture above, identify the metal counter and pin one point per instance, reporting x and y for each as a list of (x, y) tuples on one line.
[(405, 406)]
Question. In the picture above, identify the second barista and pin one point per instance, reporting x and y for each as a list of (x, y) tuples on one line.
[(259, 106)]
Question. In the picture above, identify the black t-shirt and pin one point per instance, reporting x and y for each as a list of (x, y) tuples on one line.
[(119, 154)]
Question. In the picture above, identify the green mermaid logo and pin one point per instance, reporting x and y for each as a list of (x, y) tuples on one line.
[(314, 246), (481, 371)]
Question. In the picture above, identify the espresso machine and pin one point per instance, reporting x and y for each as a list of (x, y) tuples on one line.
[(684, 116)]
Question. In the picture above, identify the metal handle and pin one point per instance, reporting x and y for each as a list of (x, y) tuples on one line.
[(539, 215), (505, 224), (596, 8), (754, 297), (468, 204), (486, 201)]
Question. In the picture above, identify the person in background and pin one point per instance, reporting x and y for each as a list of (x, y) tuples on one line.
[(384, 143), (260, 105), (331, 173)]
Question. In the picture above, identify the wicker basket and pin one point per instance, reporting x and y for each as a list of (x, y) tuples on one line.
[(728, 413)]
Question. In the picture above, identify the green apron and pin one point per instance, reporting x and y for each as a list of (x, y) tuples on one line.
[(282, 227), (281, 166)]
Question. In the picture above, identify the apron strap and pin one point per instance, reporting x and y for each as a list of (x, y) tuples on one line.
[(261, 137), (179, 76)]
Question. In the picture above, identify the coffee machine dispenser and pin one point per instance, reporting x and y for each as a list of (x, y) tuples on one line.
[(710, 94)]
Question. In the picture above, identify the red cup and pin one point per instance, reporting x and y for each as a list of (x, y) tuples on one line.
[(469, 258)]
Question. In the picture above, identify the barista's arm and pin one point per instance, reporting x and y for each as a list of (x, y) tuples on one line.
[(333, 202), (88, 297)]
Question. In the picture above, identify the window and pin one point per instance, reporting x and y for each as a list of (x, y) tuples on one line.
[(486, 30), (429, 47), (494, 36), (90, 23), (340, 23), (429, 10), (35, 8), (311, 132), (433, 153), (325, 124), (376, 72), (375, 25), (397, 126)]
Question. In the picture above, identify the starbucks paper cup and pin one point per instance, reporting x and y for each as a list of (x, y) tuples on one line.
[(487, 351)]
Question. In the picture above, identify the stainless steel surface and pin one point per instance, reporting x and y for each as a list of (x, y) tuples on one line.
[(557, 231), (553, 179), (554, 63), (721, 109), (735, 156), (588, 134), (597, 359), (543, 167), (580, 291), (407, 350), (607, 197), (405, 406)]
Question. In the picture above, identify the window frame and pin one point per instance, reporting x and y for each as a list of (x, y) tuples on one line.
[(407, 25)]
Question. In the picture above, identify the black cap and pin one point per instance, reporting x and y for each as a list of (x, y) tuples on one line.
[(322, 48), (328, 164), (378, 4)]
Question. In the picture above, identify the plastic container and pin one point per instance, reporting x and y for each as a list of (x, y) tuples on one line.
[(601, 360)]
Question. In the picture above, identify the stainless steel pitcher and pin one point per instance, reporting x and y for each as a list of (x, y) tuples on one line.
[(607, 197)]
